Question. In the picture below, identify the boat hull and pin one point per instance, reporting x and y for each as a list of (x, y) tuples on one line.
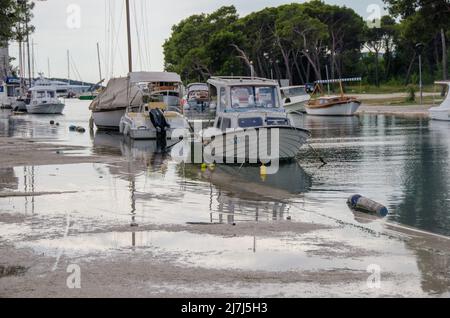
[(296, 104), (108, 120), (287, 144), (51, 109), (442, 114), (146, 130), (343, 109)]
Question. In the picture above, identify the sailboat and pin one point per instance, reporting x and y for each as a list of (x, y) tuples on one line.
[(110, 106)]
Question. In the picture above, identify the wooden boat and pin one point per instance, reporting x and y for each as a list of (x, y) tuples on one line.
[(341, 105)]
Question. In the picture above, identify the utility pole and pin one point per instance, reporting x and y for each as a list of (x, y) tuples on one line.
[(419, 49)]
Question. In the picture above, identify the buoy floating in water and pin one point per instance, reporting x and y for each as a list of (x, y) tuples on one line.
[(360, 203)]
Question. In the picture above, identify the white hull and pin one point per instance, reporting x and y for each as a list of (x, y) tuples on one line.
[(56, 108), (297, 104), (108, 119), (347, 109), (140, 127), (437, 113), (287, 146)]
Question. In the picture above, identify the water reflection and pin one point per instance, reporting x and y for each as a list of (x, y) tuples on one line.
[(242, 193), (425, 202)]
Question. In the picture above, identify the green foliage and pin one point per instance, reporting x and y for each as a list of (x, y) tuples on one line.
[(13, 17), (411, 93), (300, 41)]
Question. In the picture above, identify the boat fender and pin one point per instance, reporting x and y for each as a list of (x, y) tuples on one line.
[(363, 204), (81, 130)]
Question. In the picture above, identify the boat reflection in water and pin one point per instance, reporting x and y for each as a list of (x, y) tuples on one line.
[(241, 193)]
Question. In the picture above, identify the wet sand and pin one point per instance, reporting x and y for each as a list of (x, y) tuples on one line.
[(26, 151), (328, 256)]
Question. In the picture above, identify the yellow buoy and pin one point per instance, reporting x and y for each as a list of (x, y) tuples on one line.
[(263, 172), (204, 167)]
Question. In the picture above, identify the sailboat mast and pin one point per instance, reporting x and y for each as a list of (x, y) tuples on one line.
[(28, 52), (68, 66), (99, 62), (130, 58)]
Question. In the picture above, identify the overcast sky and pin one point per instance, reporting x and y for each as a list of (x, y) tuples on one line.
[(103, 21)]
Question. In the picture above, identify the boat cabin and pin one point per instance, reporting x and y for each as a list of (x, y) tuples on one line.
[(244, 102), (149, 90), (41, 95), (9, 91)]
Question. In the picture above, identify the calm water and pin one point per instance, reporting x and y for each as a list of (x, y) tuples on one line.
[(402, 163)]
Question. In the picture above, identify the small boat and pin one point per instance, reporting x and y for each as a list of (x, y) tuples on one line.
[(442, 112), (197, 97), (43, 100), (295, 98), (158, 113), (332, 105), (251, 124)]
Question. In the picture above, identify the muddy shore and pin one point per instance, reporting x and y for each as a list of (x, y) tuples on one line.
[(328, 256)]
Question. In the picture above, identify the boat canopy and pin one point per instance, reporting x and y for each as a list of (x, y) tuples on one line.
[(197, 87), (117, 95), (145, 77)]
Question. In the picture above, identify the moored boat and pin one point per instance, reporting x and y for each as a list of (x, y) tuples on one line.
[(295, 98), (251, 124), (158, 114), (43, 100), (442, 112), (341, 105)]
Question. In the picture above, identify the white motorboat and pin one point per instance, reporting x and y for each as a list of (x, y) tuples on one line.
[(341, 105), (442, 112), (197, 97), (43, 100), (295, 98), (251, 123), (158, 114)]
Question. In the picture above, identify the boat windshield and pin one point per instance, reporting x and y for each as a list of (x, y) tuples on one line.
[(254, 96), (294, 91)]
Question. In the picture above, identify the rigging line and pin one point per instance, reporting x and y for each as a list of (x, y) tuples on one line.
[(107, 40), (75, 69), (116, 47), (137, 34), (145, 30)]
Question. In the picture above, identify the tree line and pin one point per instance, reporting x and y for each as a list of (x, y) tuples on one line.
[(314, 40)]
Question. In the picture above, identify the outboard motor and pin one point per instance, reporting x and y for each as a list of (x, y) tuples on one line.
[(160, 123)]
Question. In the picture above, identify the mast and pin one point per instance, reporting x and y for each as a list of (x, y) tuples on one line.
[(130, 58), (33, 61), (48, 67), (68, 66), (20, 66), (99, 62), (28, 49)]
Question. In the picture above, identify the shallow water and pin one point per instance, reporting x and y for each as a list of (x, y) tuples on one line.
[(402, 163)]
